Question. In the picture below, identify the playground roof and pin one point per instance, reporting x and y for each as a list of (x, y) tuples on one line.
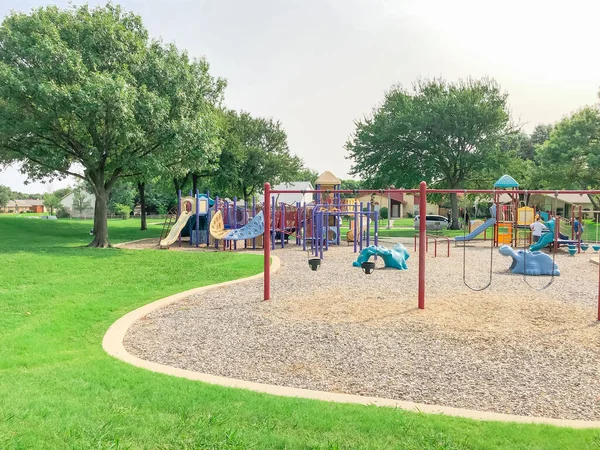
[(506, 181), (327, 178)]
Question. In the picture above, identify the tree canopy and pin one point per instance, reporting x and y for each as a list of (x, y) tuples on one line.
[(570, 158), (440, 132), (5, 196), (255, 151), (86, 88), (52, 202)]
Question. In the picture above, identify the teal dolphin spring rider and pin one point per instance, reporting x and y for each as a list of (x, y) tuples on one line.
[(394, 258)]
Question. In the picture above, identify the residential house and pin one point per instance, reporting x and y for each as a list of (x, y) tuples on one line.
[(399, 204), (562, 204), (69, 204), (292, 199), (20, 206)]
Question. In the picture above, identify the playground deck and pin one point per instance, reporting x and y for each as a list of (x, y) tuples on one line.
[(510, 349)]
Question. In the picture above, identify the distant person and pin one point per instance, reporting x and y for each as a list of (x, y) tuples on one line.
[(578, 228), (537, 228)]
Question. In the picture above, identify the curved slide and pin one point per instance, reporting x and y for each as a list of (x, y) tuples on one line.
[(254, 228), (545, 239), (176, 229), (548, 238), (480, 229)]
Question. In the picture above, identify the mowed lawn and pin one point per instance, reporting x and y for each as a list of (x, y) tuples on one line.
[(59, 390)]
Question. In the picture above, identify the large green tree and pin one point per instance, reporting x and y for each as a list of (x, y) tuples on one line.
[(255, 151), (440, 132), (84, 92), (51, 202), (80, 199), (5, 196), (541, 133), (570, 158)]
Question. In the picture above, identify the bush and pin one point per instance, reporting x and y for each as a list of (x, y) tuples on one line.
[(124, 210), (410, 215), (62, 213), (383, 213)]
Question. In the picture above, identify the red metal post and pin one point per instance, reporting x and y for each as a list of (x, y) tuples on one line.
[(267, 243), (422, 241), (435, 248)]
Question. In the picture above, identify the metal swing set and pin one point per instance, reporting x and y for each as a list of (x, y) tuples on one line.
[(422, 192)]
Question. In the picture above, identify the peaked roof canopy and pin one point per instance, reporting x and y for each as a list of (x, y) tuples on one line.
[(328, 178), (506, 181)]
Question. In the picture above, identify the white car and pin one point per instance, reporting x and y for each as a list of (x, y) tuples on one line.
[(432, 222)]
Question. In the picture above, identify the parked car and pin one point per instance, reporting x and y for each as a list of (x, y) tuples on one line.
[(432, 222)]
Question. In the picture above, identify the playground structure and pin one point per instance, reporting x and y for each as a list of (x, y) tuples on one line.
[(221, 223), (501, 217)]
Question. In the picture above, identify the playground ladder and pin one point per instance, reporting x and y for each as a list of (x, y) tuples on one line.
[(168, 224)]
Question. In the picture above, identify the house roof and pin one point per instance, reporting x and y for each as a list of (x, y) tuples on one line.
[(572, 199), (295, 186), (23, 203), (292, 198), (328, 178)]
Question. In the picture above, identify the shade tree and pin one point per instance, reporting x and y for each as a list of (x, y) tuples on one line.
[(438, 131), (84, 92)]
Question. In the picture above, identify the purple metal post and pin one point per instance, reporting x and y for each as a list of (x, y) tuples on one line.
[(304, 228), (216, 211), (355, 225), (376, 230), (179, 210), (197, 220), (297, 223), (234, 219), (283, 224), (273, 213), (321, 236), (368, 224), (207, 218), (253, 215), (360, 233), (326, 230), (339, 218)]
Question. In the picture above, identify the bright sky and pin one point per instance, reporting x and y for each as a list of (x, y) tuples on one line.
[(318, 65)]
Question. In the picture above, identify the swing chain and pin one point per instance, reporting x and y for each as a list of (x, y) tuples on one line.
[(465, 258), (547, 285)]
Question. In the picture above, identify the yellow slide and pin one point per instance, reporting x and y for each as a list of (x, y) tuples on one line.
[(217, 227), (176, 229)]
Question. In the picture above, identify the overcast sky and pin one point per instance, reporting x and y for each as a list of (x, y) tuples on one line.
[(319, 65)]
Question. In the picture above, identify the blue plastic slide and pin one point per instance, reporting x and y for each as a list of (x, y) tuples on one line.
[(480, 229), (545, 239), (252, 229)]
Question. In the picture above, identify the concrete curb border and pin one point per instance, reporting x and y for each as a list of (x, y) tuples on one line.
[(112, 344)]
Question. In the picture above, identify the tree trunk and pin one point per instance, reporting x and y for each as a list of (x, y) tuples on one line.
[(454, 206), (594, 202), (194, 183), (100, 219), (142, 191)]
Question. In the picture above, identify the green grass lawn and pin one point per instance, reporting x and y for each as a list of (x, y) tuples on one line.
[(59, 390)]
